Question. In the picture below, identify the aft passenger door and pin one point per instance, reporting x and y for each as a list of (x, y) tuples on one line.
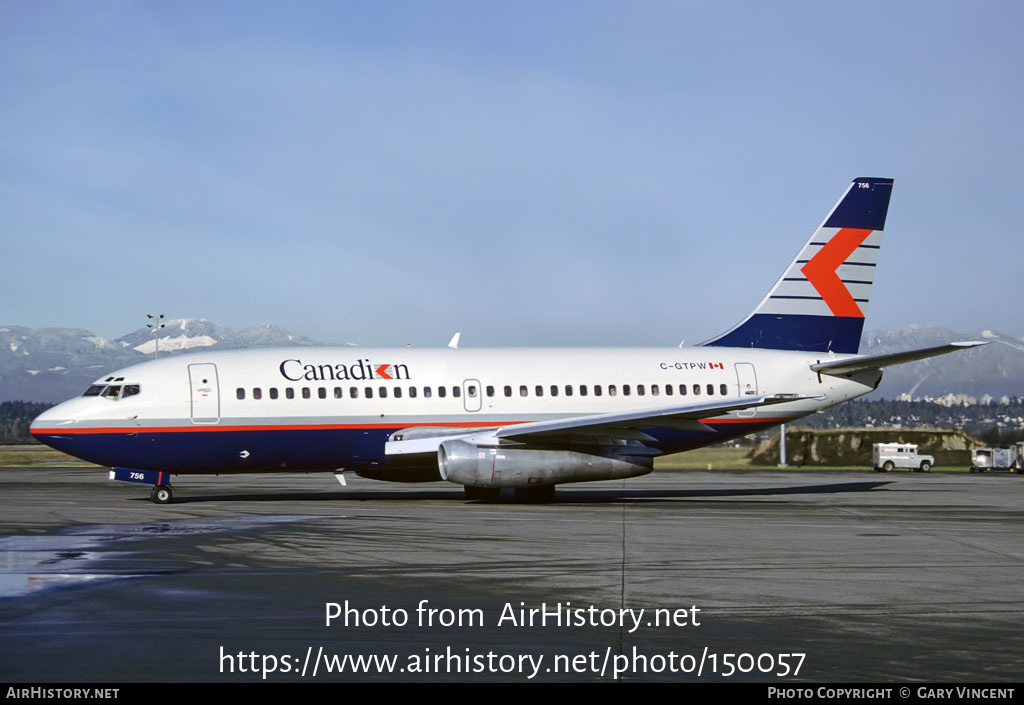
[(205, 393), (746, 377)]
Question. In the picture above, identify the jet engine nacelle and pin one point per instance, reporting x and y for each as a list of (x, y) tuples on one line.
[(480, 466)]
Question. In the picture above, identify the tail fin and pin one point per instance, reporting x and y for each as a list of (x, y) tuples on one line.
[(819, 303)]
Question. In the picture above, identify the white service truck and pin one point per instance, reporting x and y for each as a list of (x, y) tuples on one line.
[(887, 457)]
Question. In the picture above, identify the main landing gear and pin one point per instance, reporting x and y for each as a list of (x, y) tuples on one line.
[(536, 494), (483, 494)]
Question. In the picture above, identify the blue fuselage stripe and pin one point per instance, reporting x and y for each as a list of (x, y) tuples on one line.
[(303, 449)]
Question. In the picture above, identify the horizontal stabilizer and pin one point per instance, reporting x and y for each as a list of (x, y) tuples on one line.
[(851, 365)]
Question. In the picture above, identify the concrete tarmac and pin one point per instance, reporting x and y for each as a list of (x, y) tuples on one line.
[(871, 577)]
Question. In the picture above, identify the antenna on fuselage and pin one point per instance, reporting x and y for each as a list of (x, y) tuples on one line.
[(454, 342)]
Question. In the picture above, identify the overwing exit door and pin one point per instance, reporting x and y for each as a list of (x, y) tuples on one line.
[(472, 396)]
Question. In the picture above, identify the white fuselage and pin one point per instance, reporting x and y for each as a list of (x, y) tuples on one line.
[(323, 408)]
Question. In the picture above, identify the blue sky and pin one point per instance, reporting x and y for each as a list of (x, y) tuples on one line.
[(530, 173)]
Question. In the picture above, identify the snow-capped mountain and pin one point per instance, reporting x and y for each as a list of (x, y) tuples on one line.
[(177, 335), (50, 364), (995, 370), (54, 364), (191, 333)]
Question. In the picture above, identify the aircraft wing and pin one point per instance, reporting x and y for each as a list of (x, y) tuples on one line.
[(614, 426), (851, 365)]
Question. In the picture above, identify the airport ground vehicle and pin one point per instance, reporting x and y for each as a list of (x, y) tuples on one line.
[(998, 459), (886, 457)]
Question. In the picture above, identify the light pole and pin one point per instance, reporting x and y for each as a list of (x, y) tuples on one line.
[(155, 326)]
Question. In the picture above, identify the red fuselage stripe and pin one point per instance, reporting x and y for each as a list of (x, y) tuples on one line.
[(204, 428), (212, 428)]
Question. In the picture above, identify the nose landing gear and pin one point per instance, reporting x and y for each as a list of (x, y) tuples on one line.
[(161, 481), (161, 494)]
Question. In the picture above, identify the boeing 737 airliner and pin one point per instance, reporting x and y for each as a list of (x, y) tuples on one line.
[(527, 419)]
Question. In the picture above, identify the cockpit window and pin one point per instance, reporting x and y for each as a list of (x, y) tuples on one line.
[(113, 392)]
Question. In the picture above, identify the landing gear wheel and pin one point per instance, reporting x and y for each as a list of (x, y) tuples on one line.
[(161, 494), (889, 466), (925, 466), (538, 494), (484, 494)]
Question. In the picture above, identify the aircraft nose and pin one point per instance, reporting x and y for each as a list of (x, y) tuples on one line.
[(52, 427), (56, 419), (52, 417)]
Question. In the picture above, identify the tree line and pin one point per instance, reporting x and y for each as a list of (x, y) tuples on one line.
[(15, 419), (997, 422)]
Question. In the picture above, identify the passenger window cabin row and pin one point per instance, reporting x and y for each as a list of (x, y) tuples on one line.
[(508, 390)]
